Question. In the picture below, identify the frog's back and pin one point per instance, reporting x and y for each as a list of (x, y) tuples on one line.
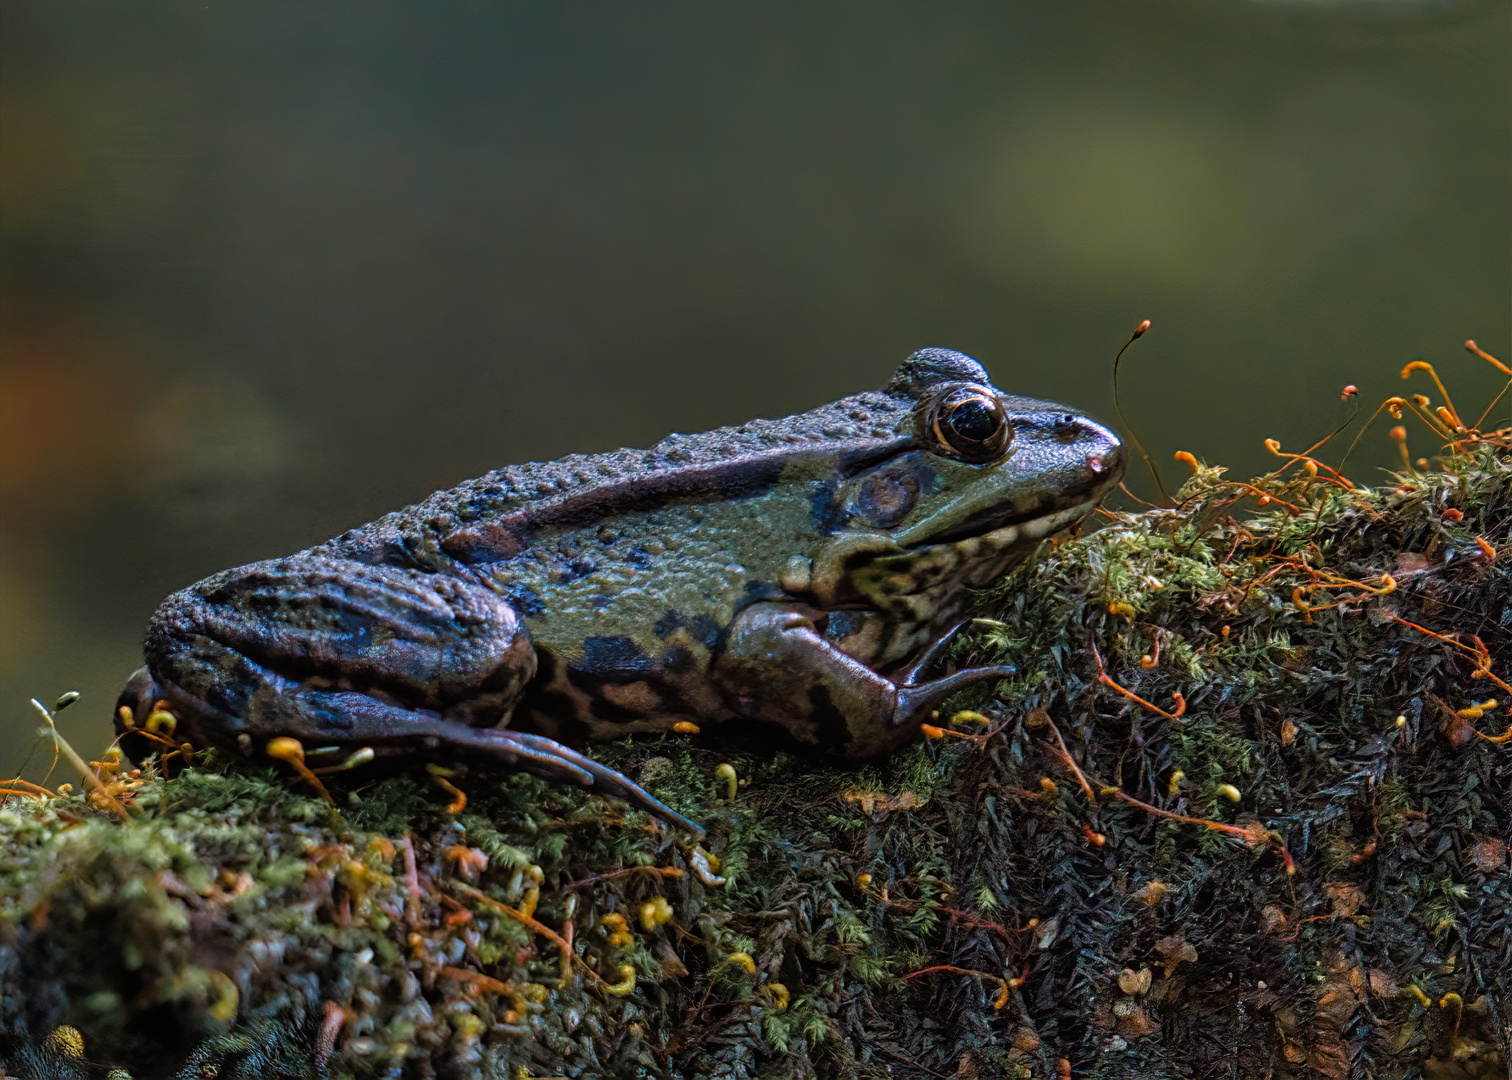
[(581, 488)]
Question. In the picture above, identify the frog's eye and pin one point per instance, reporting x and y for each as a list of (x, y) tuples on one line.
[(971, 424)]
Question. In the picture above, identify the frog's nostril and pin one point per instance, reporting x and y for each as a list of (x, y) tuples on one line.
[(1113, 454), (1104, 464)]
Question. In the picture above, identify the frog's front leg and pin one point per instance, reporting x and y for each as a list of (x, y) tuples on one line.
[(776, 668), (335, 652)]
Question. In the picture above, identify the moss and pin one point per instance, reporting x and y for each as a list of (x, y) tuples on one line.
[(964, 908)]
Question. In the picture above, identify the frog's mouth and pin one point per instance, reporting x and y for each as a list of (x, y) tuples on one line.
[(972, 554), (1036, 524)]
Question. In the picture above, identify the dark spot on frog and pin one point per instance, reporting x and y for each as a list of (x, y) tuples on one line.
[(614, 656), (354, 629), (756, 591), (839, 625), (825, 511), (579, 567), (522, 599), (705, 630), (638, 556), (822, 730), (679, 658), (702, 628)]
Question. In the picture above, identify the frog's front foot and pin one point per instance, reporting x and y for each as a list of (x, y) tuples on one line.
[(780, 671)]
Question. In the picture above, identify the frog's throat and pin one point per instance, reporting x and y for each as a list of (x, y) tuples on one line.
[(871, 566)]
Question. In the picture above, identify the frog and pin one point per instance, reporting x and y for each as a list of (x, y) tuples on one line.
[(796, 578)]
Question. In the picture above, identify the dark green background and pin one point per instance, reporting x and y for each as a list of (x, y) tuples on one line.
[(270, 269)]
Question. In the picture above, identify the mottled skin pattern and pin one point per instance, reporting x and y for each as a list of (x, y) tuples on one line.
[(795, 575)]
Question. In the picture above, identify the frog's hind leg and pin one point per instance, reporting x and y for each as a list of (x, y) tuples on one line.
[(356, 721), (409, 665), (438, 641), (396, 733)]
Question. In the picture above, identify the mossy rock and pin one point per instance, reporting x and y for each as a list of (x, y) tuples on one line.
[(1239, 816)]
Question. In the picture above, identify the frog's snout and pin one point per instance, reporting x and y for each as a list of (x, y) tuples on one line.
[(1096, 456), (1107, 457)]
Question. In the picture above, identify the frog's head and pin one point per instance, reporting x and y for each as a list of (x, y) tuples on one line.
[(977, 481)]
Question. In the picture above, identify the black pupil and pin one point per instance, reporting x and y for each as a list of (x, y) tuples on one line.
[(974, 420)]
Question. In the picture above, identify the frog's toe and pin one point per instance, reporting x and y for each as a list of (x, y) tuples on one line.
[(542, 756), (918, 700)]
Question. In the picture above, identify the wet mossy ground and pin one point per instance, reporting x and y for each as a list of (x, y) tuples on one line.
[(1285, 855)]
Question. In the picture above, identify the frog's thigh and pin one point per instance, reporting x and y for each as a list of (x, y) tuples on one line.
[(426, 640)]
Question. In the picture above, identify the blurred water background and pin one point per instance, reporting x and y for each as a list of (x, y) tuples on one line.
[(270, 269)]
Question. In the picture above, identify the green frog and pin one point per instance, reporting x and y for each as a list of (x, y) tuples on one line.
[(794, 576)]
